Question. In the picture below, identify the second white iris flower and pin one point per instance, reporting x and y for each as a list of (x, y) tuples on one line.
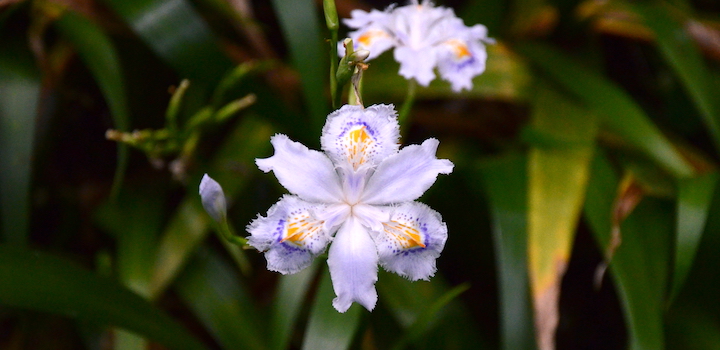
[(424, 37)]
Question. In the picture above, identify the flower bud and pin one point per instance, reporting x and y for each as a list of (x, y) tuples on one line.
[(213, 198)]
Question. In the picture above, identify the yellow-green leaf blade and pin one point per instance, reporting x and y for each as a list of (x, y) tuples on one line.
[(557, 179)]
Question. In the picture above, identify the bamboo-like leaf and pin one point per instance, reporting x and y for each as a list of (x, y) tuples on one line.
[(557, 179), (212, 290), (614, 107), (639, 266), (190, 224), (682, 54), (327, 328), (99, 55), (19, 99), (301, 28), (177, 34), (38, 281), (505, 182), (693, 207)]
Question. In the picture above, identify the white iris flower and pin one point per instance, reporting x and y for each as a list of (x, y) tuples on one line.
[(424, 37), (360, 194)]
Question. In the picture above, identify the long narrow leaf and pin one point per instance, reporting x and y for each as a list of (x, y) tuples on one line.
[(684, 57), (100, 56), (38, 281), (505, 182), (19, 99), (177, 34), (212, 290), (423, 321), (639, 265), (557, 179), (615, 108), (301, 28), (291, 292), (694, 199), (409, 303), (327, 328)]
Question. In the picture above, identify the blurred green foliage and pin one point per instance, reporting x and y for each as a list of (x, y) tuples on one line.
[(591, 141)]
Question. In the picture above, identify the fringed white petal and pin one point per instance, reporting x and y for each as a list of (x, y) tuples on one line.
[(411, 241), (290, 235), (353, 263), (462, 58), (372, 32), (416, 64), (406, 175), (304, 172), (360, 136)]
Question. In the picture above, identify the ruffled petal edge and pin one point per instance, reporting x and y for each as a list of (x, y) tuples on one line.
[(290, 235)]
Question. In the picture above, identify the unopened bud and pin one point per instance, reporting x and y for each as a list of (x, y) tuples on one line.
[(359, 55), (213, 198)]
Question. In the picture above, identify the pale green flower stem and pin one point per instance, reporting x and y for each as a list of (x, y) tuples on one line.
[(224, 228), (407, 106), (331, 20)]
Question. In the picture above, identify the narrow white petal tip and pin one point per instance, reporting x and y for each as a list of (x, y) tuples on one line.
[(342, 304), (353, 262), (213, 198)]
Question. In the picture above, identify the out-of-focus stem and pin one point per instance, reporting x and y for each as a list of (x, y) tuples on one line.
[(331, 19), (407, 106)]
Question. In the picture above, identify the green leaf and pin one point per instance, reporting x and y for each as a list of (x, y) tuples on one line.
[(301, 28), (557, 180), (327, 328), (211, 288), (190, 224), (19, 100), (408, 303), (291, 293), (99, 55), (615, 107), (505, 182), (682, 54), (639, 265), (178, 35), (424, 320), (693, 206), (38, 281), (135, 219)]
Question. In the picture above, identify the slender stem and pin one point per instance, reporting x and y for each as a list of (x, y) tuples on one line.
[(335, 92), (331, 20), (407, 105), (226, 232)]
